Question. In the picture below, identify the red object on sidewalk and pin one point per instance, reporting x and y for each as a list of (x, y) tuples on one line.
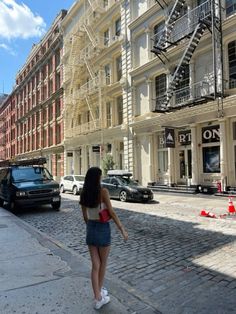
[(231, 208), (207, 214)]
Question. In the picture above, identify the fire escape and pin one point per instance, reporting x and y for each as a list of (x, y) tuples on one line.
[(185, 28), (84, 65)]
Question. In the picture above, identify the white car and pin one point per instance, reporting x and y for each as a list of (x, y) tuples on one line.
[(72, 183)]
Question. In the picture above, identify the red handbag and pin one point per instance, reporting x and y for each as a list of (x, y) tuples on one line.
[(104, 215)]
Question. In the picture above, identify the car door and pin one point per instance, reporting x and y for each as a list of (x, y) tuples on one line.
[(65, 183), (114, 186), (106, 184), (70, 182)]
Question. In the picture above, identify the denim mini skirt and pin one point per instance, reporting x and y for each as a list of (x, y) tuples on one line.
[(98, 233)]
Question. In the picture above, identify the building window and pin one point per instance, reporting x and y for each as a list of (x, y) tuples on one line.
[(160, 88), (79, 119), (50, 112), (106, 37), (97, 115), (44, 138), (183, 90), (58, 134), (119, 102), (58, 80), (230, 6), (50, 90), (107, 70), (108, 113), (50, 136), (158, 31), (105, 3), (118, 27), (119, 68), (211, 159), (58, 108), (57, 58), (44, 115), (232, 64)]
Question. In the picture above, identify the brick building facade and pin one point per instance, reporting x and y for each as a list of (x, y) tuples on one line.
[(39, 102), (7, 128)]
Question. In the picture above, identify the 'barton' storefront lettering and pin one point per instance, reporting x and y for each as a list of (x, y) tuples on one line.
[(211, 134)]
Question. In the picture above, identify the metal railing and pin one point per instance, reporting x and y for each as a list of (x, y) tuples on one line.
[(184, 26), (85, 128), (185, 95), (92, 86)]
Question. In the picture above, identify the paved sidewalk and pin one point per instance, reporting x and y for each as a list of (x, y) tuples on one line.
[(40, 275)]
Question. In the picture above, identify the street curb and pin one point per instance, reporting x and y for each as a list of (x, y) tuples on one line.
[(125, 294)]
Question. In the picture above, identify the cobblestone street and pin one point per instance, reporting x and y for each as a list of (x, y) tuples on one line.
[(174, 259)]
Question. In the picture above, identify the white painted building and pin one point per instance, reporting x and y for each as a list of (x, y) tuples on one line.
[(122, 98), (204, 126), (95, 41)]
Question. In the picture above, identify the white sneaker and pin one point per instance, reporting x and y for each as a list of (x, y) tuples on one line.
[(104, 300), (104, 292)]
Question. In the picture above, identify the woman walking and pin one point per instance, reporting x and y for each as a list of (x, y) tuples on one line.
[(93, 199)]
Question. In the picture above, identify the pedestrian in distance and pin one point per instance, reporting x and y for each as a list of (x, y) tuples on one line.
[(94, 199)]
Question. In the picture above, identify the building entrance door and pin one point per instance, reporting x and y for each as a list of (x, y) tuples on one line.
[(185, 166)]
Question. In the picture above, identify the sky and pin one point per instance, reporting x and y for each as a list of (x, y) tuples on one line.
[(23, 23)]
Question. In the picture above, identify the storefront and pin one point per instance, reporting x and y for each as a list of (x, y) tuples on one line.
[(198, 155)]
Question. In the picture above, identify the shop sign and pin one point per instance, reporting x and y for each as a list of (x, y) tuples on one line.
[(211, 134), (96, 149), (169, 138), (184, 137)]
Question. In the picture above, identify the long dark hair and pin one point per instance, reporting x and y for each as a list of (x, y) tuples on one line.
[(91, 193)]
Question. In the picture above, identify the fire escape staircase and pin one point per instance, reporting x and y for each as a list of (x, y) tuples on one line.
[(196, 35), (162, 42)]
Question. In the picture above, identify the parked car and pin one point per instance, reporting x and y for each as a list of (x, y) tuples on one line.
[(72, 183), (122, 187), (26, 183)]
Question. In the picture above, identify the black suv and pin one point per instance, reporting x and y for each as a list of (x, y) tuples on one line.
[(27, 183)]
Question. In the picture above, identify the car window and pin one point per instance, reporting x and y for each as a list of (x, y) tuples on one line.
[(127, 181), (66, 178), (26, 174), (70, 178), (79, 178), (114, 181), (107, 180), (3, 173)]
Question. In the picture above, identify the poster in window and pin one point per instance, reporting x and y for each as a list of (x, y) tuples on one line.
[(211, 159)]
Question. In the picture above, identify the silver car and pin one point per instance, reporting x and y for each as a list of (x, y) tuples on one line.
[(72, 183)]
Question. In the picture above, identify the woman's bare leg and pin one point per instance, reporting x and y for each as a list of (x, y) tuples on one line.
[(95, 272), (103, 253)]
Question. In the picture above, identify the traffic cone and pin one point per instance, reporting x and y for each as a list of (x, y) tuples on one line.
[(203, 213), (231, 208)]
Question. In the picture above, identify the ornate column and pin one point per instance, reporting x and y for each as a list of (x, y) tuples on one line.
[(148, 41), (223, 154), (194, 148), (170, 166)]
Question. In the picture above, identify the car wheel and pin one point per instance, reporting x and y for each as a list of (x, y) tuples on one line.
[(12, 207), (123, 196), (62, 190), (56, 205), (75, 190)]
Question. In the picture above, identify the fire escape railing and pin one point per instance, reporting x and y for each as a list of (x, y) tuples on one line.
[(191, 25)]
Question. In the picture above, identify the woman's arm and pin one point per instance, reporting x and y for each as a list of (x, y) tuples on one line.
[(85, 215), (106, 200)]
